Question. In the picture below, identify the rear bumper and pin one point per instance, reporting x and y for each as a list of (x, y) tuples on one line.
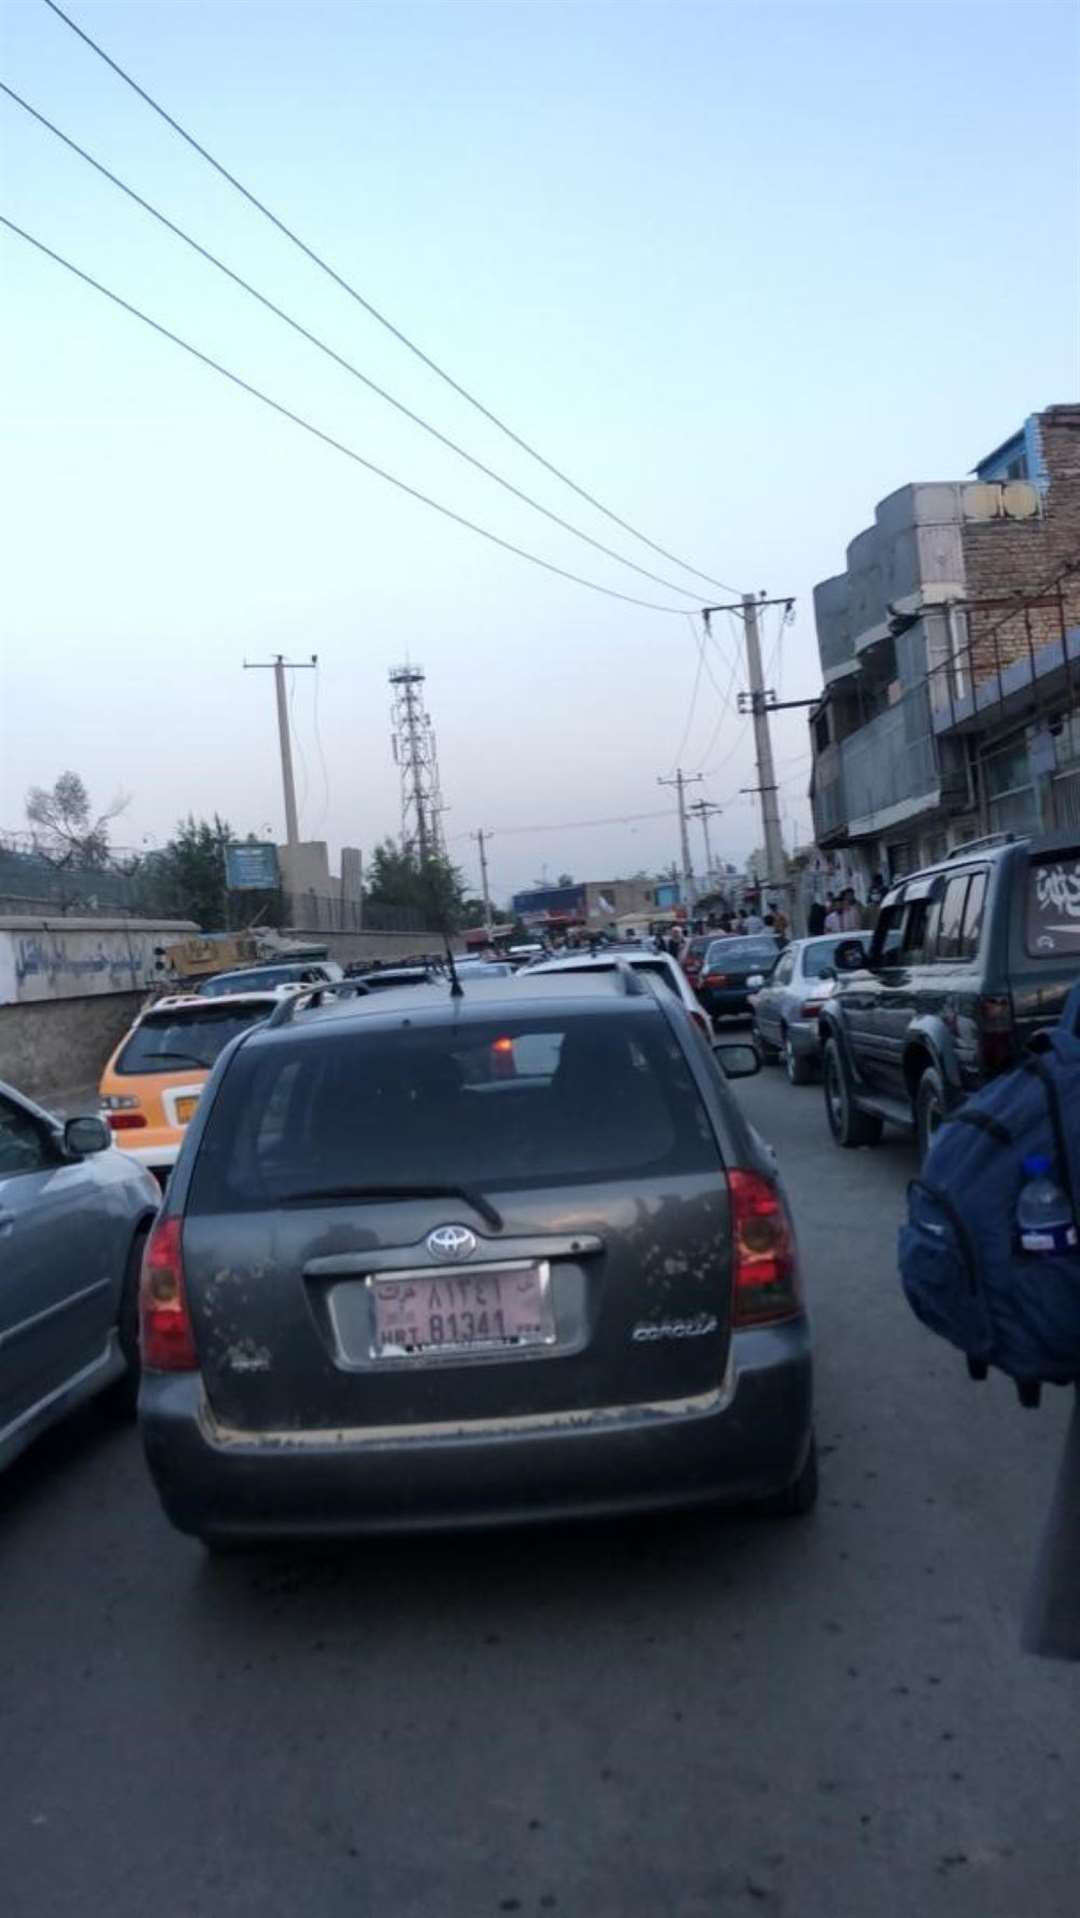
[(745, 1440), (724, 1002)]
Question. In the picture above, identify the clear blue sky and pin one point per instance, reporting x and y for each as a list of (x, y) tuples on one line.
[(740, 269)]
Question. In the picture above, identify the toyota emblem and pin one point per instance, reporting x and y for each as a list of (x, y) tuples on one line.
[(451, 1242)]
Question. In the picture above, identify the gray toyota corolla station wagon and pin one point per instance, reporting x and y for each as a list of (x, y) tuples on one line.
[(429, 1260)]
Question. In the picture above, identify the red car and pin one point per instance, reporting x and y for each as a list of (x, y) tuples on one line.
[(693, 955)]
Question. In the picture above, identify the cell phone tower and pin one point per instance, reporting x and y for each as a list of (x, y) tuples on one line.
[(416, 756)]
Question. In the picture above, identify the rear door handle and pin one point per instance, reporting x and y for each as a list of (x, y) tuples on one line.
[(7, 1222)]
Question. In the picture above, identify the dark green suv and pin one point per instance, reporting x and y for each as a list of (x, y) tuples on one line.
[(968, 960)]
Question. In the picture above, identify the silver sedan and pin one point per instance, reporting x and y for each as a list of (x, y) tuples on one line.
[(74, 1214), (785, 1004)]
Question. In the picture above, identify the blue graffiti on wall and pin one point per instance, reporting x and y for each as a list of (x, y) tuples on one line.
[(38, 958)]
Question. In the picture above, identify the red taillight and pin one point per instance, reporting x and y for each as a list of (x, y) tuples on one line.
[(125, 1121), (997, 1040), (166, 1340), (811, 1009), (502, 1059), (766, 1279), (715, 979)]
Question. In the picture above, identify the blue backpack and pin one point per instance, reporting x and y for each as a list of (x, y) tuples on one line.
[(962, 1269)]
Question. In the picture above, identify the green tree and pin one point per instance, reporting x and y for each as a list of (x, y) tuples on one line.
[(186, 879), (435, 888)]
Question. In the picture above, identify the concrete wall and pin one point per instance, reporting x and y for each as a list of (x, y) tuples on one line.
[(51, 1045), (388, 946), (51, 959), (69, 989)]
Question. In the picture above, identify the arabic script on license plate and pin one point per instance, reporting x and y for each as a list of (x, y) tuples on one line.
[(492, 1307)]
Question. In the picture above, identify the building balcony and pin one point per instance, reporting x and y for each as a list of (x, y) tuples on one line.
[(886, 772)]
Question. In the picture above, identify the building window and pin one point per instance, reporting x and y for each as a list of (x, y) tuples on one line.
[(1012, 803)]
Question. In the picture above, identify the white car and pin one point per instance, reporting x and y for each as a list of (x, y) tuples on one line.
[(660, 964), (786, 1003)]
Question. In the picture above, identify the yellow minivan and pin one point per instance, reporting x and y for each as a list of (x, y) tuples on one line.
[(152, 1084)]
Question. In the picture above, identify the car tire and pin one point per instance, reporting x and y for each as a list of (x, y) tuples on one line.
[(800, 1071), (849, 1126), (769, 1053), (930, 1109), (799, 1498), (123, 1394)]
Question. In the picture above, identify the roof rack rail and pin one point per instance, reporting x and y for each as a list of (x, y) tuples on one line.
[(982, 845), (314, 995), (631, 980)]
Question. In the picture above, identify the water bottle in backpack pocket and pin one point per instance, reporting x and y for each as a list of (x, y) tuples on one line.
[(1044, 1217)]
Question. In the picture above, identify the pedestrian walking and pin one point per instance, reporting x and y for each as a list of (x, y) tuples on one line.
[(815, 919)]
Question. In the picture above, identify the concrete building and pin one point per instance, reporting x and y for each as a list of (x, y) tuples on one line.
[(950, 654)]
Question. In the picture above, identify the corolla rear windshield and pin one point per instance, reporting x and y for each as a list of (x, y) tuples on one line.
[(530, 1101), (172, 1041)]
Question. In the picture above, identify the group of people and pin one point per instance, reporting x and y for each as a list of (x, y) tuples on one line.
[(841, 912), (745, 922)]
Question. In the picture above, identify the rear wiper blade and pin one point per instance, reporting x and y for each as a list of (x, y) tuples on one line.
[(364, 1193)]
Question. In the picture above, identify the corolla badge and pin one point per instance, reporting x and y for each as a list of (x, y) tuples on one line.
[(451, 1242), (697, 1327)]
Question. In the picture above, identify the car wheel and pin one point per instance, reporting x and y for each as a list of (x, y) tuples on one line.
[(848, 1125), (769, 1054), (930, 1109), (124, 1393), (800, 1497), (799, 1070)]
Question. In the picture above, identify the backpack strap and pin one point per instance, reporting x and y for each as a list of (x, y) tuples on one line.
[(1036, 1064), (983, 1122), (939, 1197)]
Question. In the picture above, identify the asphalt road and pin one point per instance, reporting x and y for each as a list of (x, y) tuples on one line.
[(709, 1716)]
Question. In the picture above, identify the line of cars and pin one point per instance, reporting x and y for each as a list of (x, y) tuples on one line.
[(968, 960), (467, 1251)]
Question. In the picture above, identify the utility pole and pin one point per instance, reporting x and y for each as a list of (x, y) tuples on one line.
[(760, 703), (479, 838), (705, 809), (680, 783), (279, 665)]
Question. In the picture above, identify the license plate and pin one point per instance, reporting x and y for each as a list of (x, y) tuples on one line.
[(184, 1110), (494, 1308)]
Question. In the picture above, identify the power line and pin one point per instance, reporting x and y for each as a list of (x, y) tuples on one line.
[(328, 439), (575, 825), (725, 709), (338, 358), (699, 641), (373, 310)]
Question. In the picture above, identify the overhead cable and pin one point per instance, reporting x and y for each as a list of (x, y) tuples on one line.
[(313, 339), (374, 312), (579, 825), (328, 439), (699, 641)]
